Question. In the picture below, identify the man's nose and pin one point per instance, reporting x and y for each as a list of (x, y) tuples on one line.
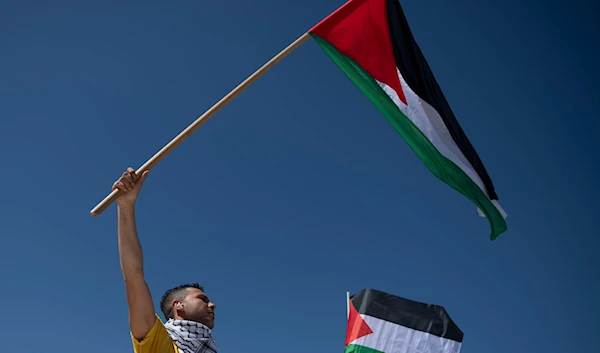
[(212, 305)]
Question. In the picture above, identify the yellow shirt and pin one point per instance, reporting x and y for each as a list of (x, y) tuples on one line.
[(156, 341)]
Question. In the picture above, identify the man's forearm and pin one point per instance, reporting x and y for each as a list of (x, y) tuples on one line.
[(130, 249)]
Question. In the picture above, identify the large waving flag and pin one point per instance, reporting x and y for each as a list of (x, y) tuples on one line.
[(383, 323), (370, 41)]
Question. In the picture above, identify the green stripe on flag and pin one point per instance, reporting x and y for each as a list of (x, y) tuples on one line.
[(354, 348), (439, 165)]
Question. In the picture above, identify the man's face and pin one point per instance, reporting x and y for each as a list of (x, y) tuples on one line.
[(197, 307)]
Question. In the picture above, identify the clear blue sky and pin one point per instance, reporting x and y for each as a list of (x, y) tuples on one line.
[(299, 190)]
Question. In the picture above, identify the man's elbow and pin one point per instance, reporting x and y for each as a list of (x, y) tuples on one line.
[(133, 275)]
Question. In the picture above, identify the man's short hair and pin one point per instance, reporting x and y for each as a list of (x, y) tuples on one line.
[(178, 293)]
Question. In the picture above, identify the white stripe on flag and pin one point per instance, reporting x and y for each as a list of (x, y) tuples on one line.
[(430, 123), (389, 337)]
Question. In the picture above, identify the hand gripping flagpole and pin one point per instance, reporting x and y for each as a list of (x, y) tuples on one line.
[(201, 120)]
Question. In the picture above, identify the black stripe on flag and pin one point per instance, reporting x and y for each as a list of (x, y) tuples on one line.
[(418, 316), (419, 77)]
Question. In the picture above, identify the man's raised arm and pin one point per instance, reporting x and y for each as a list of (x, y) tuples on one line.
[(139, 299)]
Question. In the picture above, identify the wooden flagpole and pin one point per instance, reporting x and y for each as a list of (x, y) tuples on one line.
[(108, 200)]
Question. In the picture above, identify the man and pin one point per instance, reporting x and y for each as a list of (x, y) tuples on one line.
[(190, 314)]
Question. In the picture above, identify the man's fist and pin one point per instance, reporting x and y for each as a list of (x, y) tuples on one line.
[(130, 185)]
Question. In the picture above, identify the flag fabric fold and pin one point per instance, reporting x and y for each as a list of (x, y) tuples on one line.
[(371, 42), (379, 322)]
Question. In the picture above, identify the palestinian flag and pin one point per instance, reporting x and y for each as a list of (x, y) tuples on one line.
[(370, 41), (382, 323)]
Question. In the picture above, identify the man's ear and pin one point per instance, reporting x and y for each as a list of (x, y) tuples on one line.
[(177, 304)]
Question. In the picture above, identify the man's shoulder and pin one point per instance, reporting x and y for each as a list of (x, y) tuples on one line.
[(157, 340)]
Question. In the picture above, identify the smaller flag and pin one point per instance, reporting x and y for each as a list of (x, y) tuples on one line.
[(379, 322)]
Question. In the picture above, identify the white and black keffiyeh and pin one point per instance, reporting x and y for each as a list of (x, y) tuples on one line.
[(191, 336)]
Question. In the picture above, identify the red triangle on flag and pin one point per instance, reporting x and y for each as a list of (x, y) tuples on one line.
[(357, 327)]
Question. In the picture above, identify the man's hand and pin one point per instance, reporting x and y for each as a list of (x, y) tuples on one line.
[(130, 184)]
